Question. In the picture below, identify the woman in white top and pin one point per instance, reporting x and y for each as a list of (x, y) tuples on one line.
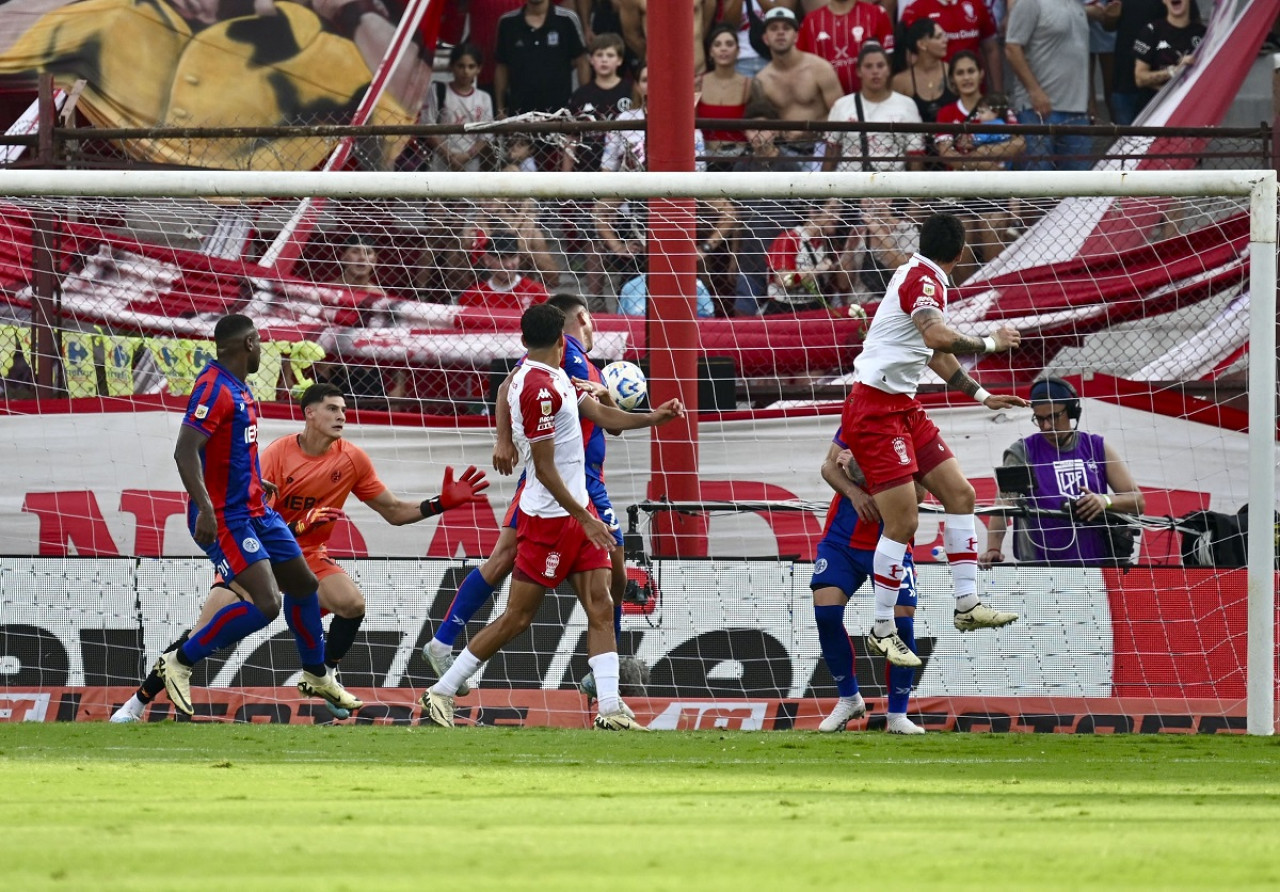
[(875, 103)]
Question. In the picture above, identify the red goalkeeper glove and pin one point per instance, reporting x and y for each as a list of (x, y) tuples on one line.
[(316, 517), (453, 493)]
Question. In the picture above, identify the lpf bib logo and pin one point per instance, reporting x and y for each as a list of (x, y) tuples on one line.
[(1070, 474), (553, 561), (900, 449)]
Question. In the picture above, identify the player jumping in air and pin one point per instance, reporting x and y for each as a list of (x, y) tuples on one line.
[(896, 444), (313, 473), (559, 535), (844, 562), (481, 582)]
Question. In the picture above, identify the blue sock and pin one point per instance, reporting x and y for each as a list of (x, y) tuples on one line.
[(902, 677), (229, 625), (836, 648), (303, 618), (471, 596)]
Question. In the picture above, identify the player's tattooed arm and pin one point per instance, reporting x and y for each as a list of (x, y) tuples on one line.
[(942, 338), (961, 381)]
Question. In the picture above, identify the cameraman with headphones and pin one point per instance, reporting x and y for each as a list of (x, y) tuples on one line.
[(1071, 471)]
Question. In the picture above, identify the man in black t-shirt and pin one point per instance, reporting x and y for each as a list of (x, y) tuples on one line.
[(540, 46), (1126, 99), (1164, 46)]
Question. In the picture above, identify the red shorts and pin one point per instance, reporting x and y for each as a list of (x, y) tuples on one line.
[(891, 437), (549, 549)]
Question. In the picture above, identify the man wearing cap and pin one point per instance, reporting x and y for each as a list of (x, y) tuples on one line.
[(801, 85), (1071, 472), (506, 288)]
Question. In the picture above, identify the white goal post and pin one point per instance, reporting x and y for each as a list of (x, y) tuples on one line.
[(1258, 187)]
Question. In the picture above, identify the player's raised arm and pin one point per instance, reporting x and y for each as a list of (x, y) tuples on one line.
[(615, 419), (942, 338), (453, 493)]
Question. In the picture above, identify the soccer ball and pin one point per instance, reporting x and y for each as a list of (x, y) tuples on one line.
[(626, 383)]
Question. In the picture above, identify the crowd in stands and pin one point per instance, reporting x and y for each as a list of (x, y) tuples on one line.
[(991, 62)]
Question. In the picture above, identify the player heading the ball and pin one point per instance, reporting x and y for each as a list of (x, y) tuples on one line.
[(896, 444)]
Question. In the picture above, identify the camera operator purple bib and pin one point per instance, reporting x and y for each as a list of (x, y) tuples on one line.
[(1062, 476)]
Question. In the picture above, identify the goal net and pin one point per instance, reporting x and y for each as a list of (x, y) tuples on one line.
[(747, 294)]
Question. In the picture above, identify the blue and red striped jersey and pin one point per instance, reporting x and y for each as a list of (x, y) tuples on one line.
[(223, 409), (577, 365), (842, 524)]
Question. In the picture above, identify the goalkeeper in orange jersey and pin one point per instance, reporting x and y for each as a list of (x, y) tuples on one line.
[(313, 473)]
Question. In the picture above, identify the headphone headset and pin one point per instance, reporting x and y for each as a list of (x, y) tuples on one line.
[(1055, 390)]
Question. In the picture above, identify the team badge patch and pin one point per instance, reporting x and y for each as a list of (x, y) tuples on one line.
[(546, 407), (928, 289), (201, 412), (820, 567), (900, 449), (251, 545), (553, 561)]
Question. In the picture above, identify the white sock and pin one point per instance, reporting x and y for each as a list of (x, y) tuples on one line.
[(605, 669), (134, 706), (463, 668), (960, 541), (887, 569), (439, 648)]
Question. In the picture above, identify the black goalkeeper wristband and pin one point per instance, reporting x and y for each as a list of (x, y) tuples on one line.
[(431, 507)]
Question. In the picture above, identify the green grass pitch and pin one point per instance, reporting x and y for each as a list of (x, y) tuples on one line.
[(96, 806)]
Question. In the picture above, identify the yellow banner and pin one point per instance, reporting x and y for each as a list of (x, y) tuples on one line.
[(117, 361), (79, 370)]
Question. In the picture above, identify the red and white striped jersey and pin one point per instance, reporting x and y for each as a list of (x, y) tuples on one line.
[(839, 38), (894, 355), (544, 403)]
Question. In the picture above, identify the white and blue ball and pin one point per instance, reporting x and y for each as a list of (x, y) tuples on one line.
[(626, 384)]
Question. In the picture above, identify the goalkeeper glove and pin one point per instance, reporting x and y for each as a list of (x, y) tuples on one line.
[(453, 493), (316, 517)]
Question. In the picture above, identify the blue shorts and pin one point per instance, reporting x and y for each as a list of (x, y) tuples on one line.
[(595, 494), (845, 568), (604, 507), (246, 540)]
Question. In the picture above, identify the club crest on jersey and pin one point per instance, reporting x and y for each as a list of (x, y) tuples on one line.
[(335, 476), (900, 449), (545, 405), (201, 412), (820, 566), (1071, 477), (553, 561), (251, 545)]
